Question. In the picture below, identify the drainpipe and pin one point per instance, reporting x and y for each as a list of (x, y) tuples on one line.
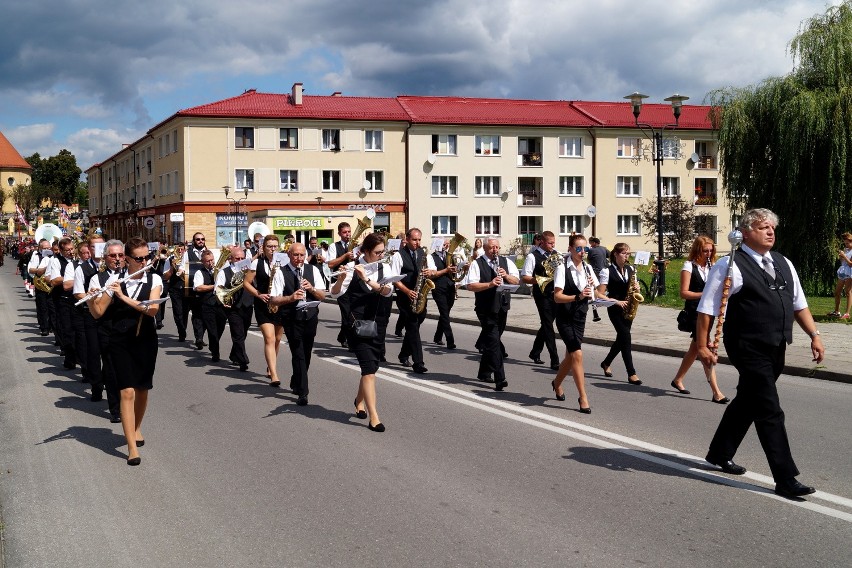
[(594, 178)]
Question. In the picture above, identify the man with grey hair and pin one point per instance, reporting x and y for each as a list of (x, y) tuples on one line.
[(484, 278), (765, 296)]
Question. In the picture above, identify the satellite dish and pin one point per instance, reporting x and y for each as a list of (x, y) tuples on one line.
[(695, 158), (367, 185), (431, 159), (591, 211)]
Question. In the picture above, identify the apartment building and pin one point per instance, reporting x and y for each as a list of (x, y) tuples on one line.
[(302, 164)]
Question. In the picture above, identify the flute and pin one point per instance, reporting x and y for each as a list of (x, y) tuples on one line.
[(99, 291), (735, 237), (367, 266)]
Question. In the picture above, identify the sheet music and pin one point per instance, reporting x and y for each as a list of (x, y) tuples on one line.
[(391, 279), (642, 257), (304, 305), (508, 287)]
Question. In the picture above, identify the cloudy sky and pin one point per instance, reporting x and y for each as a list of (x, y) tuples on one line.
[(89, 75)]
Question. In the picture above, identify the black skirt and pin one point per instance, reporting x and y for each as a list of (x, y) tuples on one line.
[(571, 325), (262, 315), (133, 357)]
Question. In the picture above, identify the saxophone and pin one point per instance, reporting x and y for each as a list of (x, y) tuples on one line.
[(272, 270), (423, 285), (634, 298)]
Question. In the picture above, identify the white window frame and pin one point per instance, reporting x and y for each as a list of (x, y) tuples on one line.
[(445, 144), (667, 183), (373, 141), (570, 146), (635, 186), (447, 225), (486, 186), (487, 225), (376, 179), (487, 145), (526, 219), (570, 223), (571, 186), (243, 142), (244, 178), (671, 148), (291, 185), (625, 225), (447, 186), (174, 141), (628, 147), (328, 181), (289, 136), (331, 139)]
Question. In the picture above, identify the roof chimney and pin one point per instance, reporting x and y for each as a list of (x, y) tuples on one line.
[(296, 94), (336, 94)]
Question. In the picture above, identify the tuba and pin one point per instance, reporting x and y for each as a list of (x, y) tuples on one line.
[(226, 295), (363, 225), (224, 255), (550, 264), (423, 285), (634, 298), (455, 258)]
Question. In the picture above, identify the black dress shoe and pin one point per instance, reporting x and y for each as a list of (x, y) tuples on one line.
[(438, 342), (451, 346), (275, 384), (181, 338), (791, 488), (134, 461), (377, 428), (215, 359), (199, 345), (303, 401), (635, 383), (536, 359), (678, 389), (558, 396), (115, 419), (404, 361), (160, 326), (486, 378), (420, 368), (498, 386), (243, 367), (727, 466), (587, 410), (723, 400), (140, 443), (43, 334), (554, 366), (606, 371), (97, 395), (361, 414)]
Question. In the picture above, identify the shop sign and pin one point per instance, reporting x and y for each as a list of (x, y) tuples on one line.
[(230, 220), (365, 206), (300, 223), (176, 217)]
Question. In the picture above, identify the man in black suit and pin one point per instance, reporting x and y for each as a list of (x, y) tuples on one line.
[(486, 274), (239, 312), (342, 255), (534, 265), (765, 296), (212, 312), (193, 257), (410, 262), (444, 295)]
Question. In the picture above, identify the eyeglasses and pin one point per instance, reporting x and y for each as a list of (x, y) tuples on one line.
[(139, 259), (116, 255), (200, 239), (582, 249), (380, 251)]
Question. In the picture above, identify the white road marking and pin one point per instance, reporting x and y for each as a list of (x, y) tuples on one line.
[(599, 437)]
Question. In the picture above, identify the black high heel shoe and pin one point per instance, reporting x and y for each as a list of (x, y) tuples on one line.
[(606, 371), (587, 410), (558, 396), (134, 461), (362, 414), (377, 428)]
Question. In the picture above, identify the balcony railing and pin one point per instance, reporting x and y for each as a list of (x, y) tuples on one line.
[(707, 162), (529, 199), (706, 200), (531, 159)]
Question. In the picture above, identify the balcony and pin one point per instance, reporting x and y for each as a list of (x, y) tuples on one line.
[(706, 163), (532, 159), (706, 199)]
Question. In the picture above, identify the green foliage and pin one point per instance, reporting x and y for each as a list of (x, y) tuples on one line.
[(678, 223), (55, 178), (784, 145), (81, 196)]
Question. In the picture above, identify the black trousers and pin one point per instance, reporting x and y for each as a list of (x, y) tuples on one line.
[(53, 316), (545, 336), (444, 299), (198, 325), (213, 318), (412, 346), (180, 310), (622, 339), (108, 371), (158, 318), (383, 315), (756, 402), (87, 346), (239, 322), (42, 315), (64, 309), (300, 336), (491, 360), (345, 322)]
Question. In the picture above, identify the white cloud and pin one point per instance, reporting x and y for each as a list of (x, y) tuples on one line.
[(92, 145), (31, 138)]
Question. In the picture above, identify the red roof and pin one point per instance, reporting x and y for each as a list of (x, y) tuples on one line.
[(620, 114), (9, 157), (459, 110)]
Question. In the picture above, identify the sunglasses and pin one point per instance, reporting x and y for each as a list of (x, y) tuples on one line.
[(582, 249), (139, 259), (116, 255), (201, 239)]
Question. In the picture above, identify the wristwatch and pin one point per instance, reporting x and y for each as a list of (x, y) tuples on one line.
[(813, 333)]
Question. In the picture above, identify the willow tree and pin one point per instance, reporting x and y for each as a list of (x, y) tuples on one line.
[(784, 144)]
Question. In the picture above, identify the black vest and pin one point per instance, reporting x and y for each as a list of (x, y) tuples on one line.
[(261, 277), (616, 289), (410, 266), (489, 300), (59, 290), (193, 258), (360, 301), (208, 297), (88, 272), (443, 283), (539, 271), (291, 284), (571, 309), (757, 313), (696, 284), (340, 248)]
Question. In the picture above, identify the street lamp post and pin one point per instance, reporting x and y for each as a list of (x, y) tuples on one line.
[(656, 136), (236, 203)]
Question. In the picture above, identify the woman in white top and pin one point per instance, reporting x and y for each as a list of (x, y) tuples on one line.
[(702, 255), (844, 278)]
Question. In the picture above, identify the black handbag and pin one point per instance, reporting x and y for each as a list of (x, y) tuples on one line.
[(365, 328), (683, 321)]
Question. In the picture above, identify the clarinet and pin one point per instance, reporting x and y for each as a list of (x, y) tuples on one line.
[(595, 315)]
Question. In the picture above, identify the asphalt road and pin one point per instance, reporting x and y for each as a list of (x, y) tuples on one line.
[(235, 474)]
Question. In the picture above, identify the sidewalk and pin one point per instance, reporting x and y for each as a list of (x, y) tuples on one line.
[(655, 331)]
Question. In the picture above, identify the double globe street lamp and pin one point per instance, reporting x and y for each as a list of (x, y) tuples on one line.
[(236, 203), (656, 136)]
